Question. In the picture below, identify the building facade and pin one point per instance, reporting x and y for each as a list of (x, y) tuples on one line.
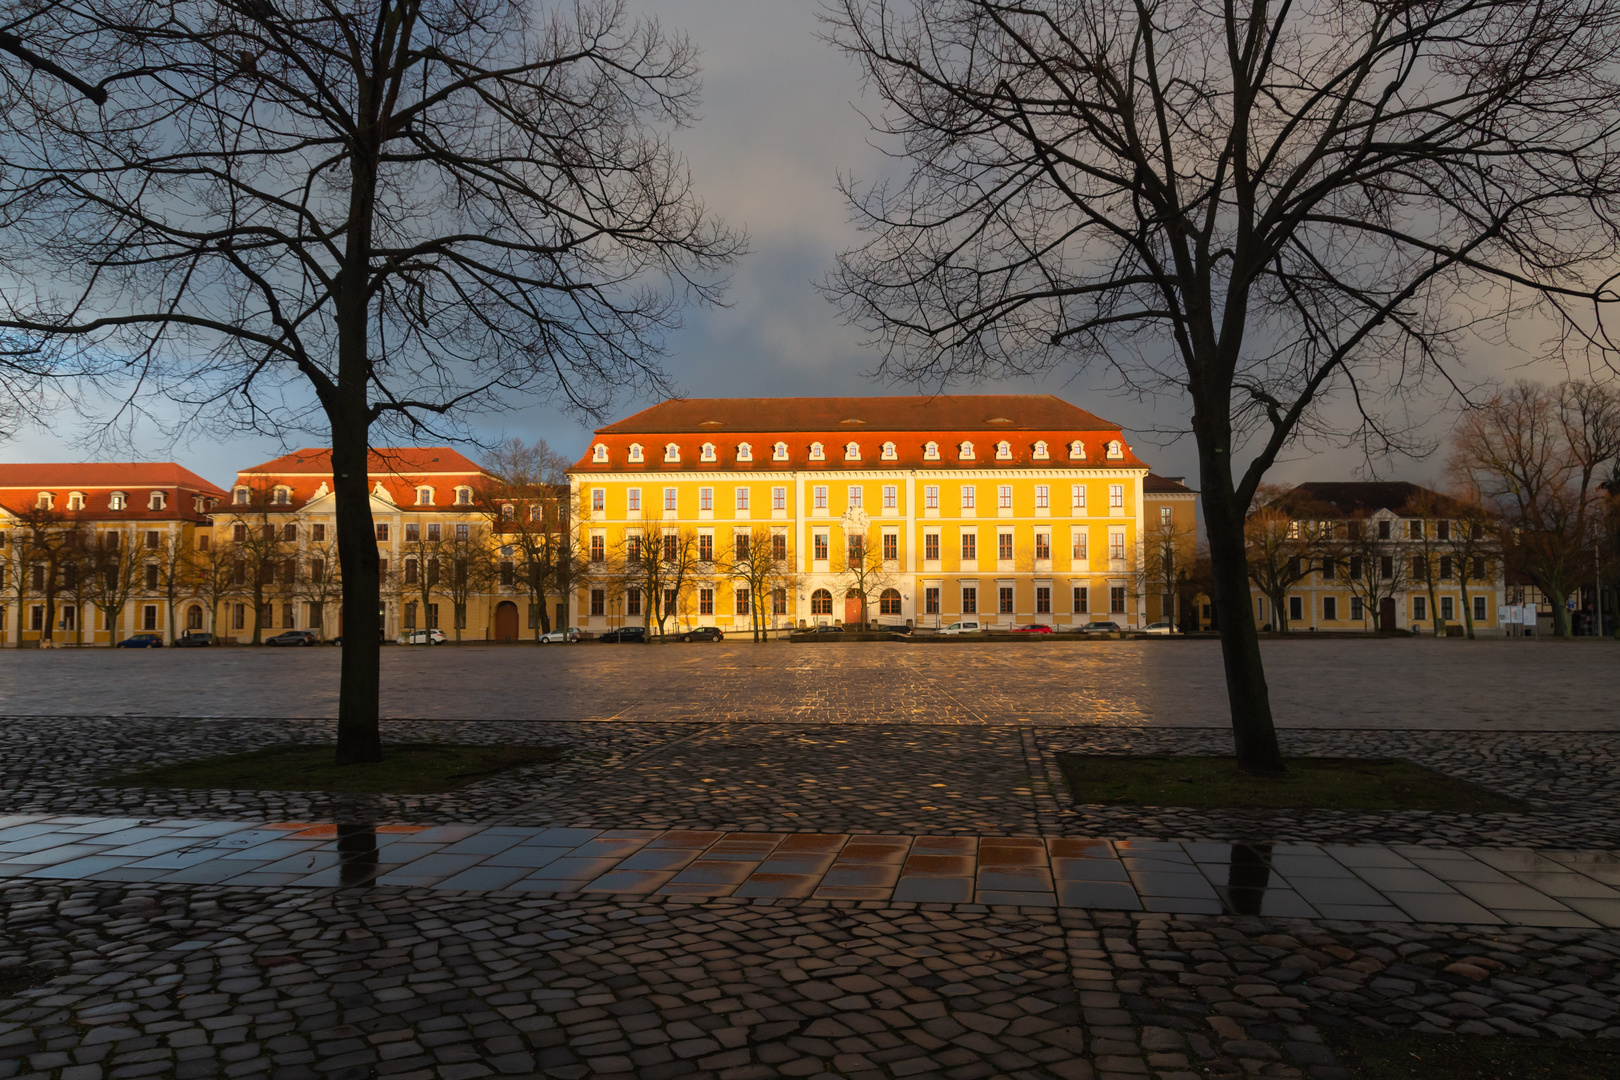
[(91, 553), (925, 511), (1367, 556)]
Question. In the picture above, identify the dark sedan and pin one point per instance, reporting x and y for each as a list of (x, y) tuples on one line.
[(292, 637), (194, 641), (625, 633), (703, 633), (142, 641)]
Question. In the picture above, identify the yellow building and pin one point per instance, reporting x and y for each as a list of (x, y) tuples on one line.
[(92, 553), (926, 511)]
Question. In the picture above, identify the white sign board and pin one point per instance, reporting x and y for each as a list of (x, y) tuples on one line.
[(1508, 614), (1529, 615)]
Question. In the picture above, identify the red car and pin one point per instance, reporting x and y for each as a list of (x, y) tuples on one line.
[(1033, 628)]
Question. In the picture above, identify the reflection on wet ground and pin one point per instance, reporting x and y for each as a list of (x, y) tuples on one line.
[(1374, 882)]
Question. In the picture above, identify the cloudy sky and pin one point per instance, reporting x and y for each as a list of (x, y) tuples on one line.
[(780, 120)]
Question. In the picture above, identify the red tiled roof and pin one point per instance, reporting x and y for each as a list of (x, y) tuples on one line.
[(21, 483), (908, 422), (1155, 484), (400, 470), (943, 412)]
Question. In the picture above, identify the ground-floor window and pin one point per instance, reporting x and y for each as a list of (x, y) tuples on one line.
[(1004, 600), (1116, 600), (36, 617), (1355, 607), (461, 616), (1082, 599), (433, 616), (779, 602), (1296, 608), (534, 616), (289, 618), (632, 601), (744, 604), (1330, 608), (669, 602), (1448, 608), (705, 601), (970, 600), (1420, 607), (70, 618), (239, 617), (598, 601), (1043, 600), (931, 601), (1479, 609), (410, 615), (821, 602), (194, 617), (889, 602), (267, 616)]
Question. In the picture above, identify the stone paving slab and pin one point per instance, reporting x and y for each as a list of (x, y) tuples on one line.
[(1161, 682), (1368, 882)]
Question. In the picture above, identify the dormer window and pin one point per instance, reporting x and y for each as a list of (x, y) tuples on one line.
[(116, 501), (852, 451), (599, 454), (197, 504), (508, 512), (779, 452), (745, 452), (156, 501), (672, 452), (708, 452), (283, 496), (635, 451), (1077, 451), (240, 496), (1003, 451), (1041, 453), (965, 451), (75, 500), (44, 501), (817, 453), (463, 496), (931, 452), (1115, 450), (889, 453)]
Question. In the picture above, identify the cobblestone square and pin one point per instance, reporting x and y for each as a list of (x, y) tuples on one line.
[(831, 861)]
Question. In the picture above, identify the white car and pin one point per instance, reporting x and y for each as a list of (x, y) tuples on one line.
[(567, 635), (967, 626), (422, 637), (1159, 628)]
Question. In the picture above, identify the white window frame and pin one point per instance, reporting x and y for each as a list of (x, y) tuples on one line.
[(742, 498)]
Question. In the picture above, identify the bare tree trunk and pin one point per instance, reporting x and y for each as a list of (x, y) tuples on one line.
[(1252, 729), (358, 738)]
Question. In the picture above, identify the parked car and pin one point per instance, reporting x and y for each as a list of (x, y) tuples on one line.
[(966, 626), (1033, 628), (703, 633), (1159, 628), (566, 635), (1101, 628), (292, 637), (824, 628), (142, 641), (194, 640), (422, 637), (625, 633)]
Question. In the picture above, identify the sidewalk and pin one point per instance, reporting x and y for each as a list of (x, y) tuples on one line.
[(1366, 882)]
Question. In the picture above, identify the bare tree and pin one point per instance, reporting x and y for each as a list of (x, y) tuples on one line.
[(176, 574), (213, 567), (1474, 547), (114, 577), (53, 542), (865, 571), (525, 502), (760, 562), (1429, 524), (319, 584), (257, 546), (1375, 565), (422, 561), (1286, 539), (471, 570), (1535, 455), (1266, 210), (340, 217)]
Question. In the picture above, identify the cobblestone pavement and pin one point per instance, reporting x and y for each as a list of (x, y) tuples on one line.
[(1452, 684), (951, 780), (1377, 882), (200, 981)]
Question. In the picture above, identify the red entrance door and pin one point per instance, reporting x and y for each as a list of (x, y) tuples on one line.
[(506, 621), (1386, 614), (852, 610)]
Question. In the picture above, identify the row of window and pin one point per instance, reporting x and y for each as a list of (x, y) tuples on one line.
[(889, 601), (1353, 568), (888, 451), (855, 498), (1420, 608), (821, 543), (282, 495), (118, 500), (1416, 529)]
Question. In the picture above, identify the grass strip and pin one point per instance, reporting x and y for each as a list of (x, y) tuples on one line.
[(406, 769), (1309, 783), (1405, 1056)]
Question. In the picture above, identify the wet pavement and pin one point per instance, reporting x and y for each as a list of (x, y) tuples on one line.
[(1371, 882), (1450, 684)]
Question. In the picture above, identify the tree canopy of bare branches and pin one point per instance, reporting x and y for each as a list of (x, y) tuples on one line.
[(1262, 208), (344, 215)]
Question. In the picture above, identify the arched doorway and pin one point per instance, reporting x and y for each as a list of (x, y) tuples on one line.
[(194, 618), (854, 614), (506, 621)]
